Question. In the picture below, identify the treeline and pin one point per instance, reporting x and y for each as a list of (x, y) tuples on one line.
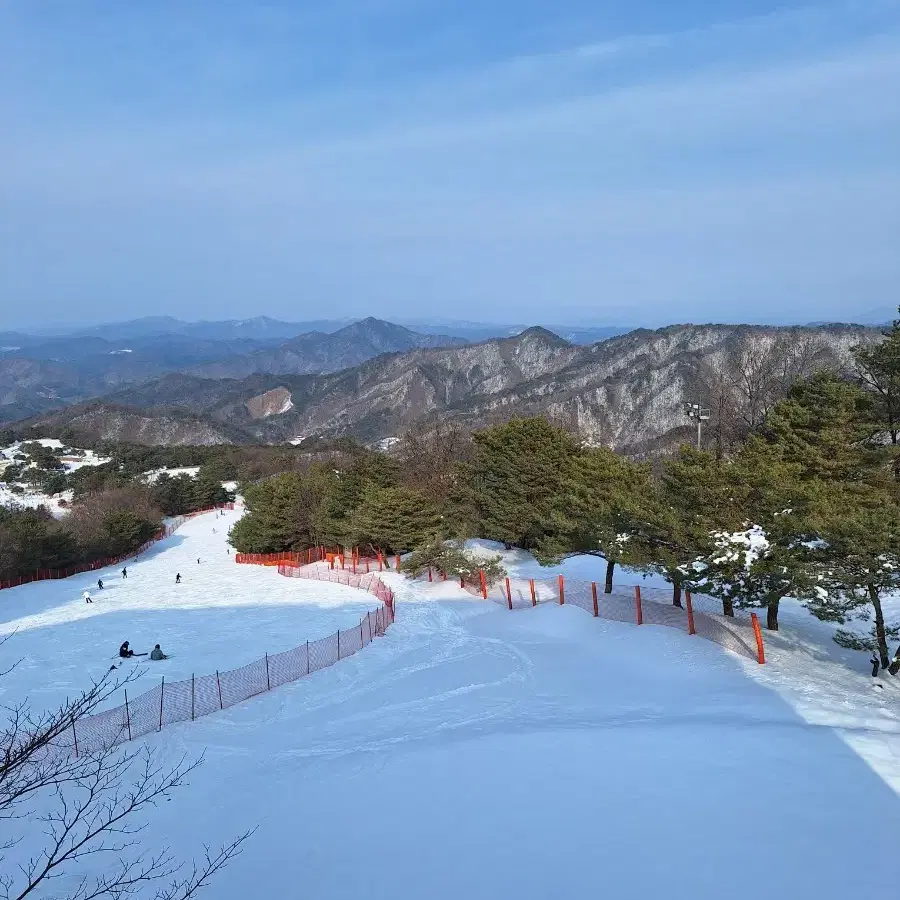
[(105, 524), (807, 505)]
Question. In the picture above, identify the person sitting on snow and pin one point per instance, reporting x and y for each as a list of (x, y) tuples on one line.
[(87, 597), (125, 652), (157, 654)]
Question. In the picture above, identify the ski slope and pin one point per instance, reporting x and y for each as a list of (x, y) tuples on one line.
[(221, 616), (474, 752)]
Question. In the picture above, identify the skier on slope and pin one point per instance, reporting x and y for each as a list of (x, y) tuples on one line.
[(100, 584), (178, 578), (125, 572), (87, 597)]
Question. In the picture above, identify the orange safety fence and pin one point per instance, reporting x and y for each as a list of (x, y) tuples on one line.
[(94, 565), (635, 604), (181, 701)]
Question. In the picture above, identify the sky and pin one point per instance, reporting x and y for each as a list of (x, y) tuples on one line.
[(630, 162)]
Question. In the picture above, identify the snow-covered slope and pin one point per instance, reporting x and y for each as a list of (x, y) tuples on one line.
[(481, 753)]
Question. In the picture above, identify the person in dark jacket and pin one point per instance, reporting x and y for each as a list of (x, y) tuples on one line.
[(156, 654), (125, 572), (178, 578), (100, 584), (125, 651)]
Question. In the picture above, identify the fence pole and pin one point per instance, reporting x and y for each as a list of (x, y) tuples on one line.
[(361, 644), (637, 604), (397, 561), (594, 597), (760, 650), (429, 574), (562, 591), (219, 686), (268, 683), (192, 696), (508, 593), (690, 612), (307, 657), (533, 594), (339, 643), (483, 583), (162, 690), (75, 736)]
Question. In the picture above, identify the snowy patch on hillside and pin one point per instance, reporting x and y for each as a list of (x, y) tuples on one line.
[(155, 474)]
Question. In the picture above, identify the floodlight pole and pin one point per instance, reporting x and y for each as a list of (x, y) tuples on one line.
[(701, 414)]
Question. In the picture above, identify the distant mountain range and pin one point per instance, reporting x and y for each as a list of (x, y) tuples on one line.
[(40, 373), (627, 392)]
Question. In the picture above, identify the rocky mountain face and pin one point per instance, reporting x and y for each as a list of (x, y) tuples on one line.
[(319, 352), (627, 392), (40, 373), (108, 421)]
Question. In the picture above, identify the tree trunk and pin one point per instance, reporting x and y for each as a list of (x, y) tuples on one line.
[(772, 614), (676, 592), (610, 565), (880, 636), (728, 607)]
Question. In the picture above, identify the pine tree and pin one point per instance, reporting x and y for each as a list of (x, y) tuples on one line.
[(679, 517), (395, 519), (879, 369), (862, 541), (597, 509), (517, 475)]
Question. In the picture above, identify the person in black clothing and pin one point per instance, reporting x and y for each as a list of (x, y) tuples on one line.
[(125, 572), (178, 578), (100, 584), (125, 652)]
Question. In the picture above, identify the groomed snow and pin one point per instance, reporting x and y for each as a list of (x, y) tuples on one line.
[(221, 616), (480, 753)]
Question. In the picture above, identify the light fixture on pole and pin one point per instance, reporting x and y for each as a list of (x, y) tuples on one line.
[(701, 414)]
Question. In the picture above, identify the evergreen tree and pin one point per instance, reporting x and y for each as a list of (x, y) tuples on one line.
[(678, 517), (879, 369), (515, 479), (772, 554), (597, 509), (395, 519), (862, 546)]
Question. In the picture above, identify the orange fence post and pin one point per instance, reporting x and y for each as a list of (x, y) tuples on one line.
[(562, 591), (533, 594), (508, 593), (637, 603), (483, 583), (690, 612), (397, 561), (760, 650), (594, 596)]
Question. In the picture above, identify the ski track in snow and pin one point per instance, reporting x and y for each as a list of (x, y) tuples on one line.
[(484, 753)]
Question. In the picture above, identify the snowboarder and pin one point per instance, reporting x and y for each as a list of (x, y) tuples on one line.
[(125, 572), (178, 578), (156, 654), (87, 597), (125, 651), (100, 584)]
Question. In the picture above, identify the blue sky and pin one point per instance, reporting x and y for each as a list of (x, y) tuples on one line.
[(638, 162)]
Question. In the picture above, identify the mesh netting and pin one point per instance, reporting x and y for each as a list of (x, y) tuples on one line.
[(181, 701)]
